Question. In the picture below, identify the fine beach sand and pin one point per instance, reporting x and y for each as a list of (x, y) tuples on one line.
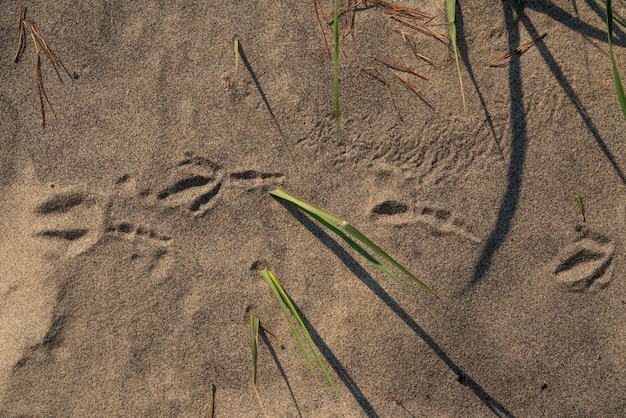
[(133, 224)]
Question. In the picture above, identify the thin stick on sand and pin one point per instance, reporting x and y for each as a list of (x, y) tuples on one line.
[(407, 83), (373, 72), (399, 67), (316, 7), (409, 40), (422, 28), (212, 402), (38, 81), (519, 50)]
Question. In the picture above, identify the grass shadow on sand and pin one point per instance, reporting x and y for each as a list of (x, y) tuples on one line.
[(269, 346), (496, 407), (519, 134)]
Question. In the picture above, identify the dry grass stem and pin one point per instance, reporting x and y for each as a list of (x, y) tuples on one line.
[(38, 81), (411, 41), (399, 67), (348, 27), (266, 330), (412, 18), (373, 72), (211, 410), (40, 44), (519, 50), (394, 8), (407, 83), (422, 28), (317, 9)]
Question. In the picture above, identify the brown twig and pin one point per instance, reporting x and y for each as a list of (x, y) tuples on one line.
[(399, 9), (519, 50), (316, 7), (56, 64), (38, 81), (247, 315), (40, 44), (373, 72), (212, 402), (409, 40), (422, 28), (407, 83), (348, 27), (398, 67)]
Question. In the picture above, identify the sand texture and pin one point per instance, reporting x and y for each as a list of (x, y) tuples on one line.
[(133, 225)]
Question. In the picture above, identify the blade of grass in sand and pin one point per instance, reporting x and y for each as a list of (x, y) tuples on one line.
[(581, 207), (451, 11), (616, 79), (236, 45), (333, 223), (288, 308), (254, 343)]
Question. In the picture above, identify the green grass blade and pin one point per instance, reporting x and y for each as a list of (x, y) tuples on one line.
[(305, 332), (451, 11), (336, 65), (618, 83), (272, 282), (356, 233), (284, 301), (333, 222), (334, 219), (581, 207), (254, 343)]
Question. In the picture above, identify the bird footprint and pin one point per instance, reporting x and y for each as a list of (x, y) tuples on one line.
[(585, 265)]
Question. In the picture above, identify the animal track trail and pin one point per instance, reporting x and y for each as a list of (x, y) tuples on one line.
[(584, 265), (51, 221), (70, 220), (41, 224), (195, 183), (131, 215), (439, 221)]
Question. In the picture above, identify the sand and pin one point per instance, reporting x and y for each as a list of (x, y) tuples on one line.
[(133, 224)]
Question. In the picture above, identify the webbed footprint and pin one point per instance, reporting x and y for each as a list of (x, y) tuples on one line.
[(41, 224), (585, 265), (439, 220), (192, 184), (69, 221)]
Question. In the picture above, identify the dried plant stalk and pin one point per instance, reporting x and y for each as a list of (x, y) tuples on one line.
[(407, 83), (398, 66), (519, 50), (373, 72)]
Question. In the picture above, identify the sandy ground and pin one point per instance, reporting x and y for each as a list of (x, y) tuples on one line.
[(132, 225)]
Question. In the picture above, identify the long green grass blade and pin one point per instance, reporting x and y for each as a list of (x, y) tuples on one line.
[(254, 343), (451, 11), (618, 83), (271, 282), (333, 222), (281, 296)]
